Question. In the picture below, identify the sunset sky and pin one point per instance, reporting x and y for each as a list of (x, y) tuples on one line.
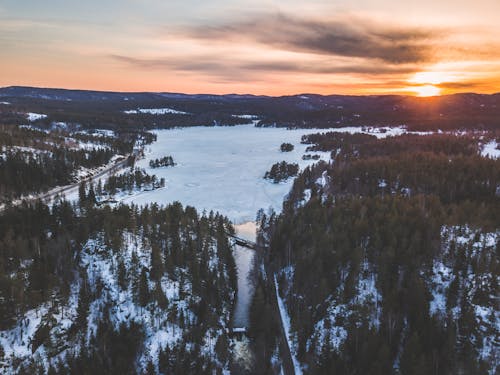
[(423, 47)]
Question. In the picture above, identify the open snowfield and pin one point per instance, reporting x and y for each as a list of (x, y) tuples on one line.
[(222, 168)]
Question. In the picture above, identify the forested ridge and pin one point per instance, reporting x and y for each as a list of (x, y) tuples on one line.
[(114, 290), (107, 109), (387, 257)]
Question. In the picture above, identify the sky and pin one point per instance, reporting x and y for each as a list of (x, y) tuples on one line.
[(424, 47)]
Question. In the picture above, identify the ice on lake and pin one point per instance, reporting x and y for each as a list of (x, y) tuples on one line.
[(222, 168)]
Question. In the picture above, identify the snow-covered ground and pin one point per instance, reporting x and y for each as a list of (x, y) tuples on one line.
[(155, 111), (479, 247), (35, 116), (491, 150), (246, 117)]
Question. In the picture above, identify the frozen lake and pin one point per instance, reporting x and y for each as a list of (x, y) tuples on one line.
[(222, 168)]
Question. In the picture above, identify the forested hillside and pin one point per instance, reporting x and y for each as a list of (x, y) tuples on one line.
[(120, 290), (387, 259), (35, 159)]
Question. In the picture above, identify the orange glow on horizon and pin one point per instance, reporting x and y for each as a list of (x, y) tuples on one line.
[(427, 90)]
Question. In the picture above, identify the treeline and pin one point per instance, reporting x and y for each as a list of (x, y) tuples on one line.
[(136, 179), (33, 161), (110, 114), (46, 138), (25, 171), (166, 161), (388, 265), (368, 146), (73, 264), (98, 109), (282, 171)]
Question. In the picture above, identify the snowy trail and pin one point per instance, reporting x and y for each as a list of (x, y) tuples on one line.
[(285, 322)]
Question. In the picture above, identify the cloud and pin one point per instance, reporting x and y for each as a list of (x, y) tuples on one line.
[(232, 68), (345, 36), (490, 84)]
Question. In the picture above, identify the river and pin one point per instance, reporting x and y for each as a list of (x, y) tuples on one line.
[(244, 261)]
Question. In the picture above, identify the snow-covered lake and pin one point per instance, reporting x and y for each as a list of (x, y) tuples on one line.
[(222, 168)]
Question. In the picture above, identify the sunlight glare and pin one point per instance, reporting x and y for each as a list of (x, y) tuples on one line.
[(427, 90)]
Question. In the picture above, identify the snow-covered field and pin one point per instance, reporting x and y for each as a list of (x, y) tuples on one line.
[(35, 116), (491, 150), (155, 111), (222, 168)]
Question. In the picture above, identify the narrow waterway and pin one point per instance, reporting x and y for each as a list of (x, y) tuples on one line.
[(242, 353), (244, 262)]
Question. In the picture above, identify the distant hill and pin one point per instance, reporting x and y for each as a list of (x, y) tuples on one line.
[(458, 111)]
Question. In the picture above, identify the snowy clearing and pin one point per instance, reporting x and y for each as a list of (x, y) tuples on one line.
[(491, 150), (35, 116), (155, 111)]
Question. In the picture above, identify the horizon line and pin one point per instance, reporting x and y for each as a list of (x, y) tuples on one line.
[(240, 94)]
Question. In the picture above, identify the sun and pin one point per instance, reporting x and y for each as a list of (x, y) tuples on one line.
[(427, 90), (427, 83)]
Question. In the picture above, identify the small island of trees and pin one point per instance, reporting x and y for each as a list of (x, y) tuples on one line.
[(166, 161), (310, 157), (286, 147), (282, 171)]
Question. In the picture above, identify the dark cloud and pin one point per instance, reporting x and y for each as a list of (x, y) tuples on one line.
[(341, 36), (470, 85), (460, 85), (216, 66)]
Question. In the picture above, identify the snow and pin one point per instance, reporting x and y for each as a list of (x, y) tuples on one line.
[(285, 319), (441, 280), (100, 263), (323, 180), (222, 168), (379, 132), (59, 125), (478, 246), (336, 333), (306, 198), (155, 111), (369, 296), (382, 183), (491, 150), (247, 117), (5, 103), (87, 146), (16, 342), (35, 116)]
